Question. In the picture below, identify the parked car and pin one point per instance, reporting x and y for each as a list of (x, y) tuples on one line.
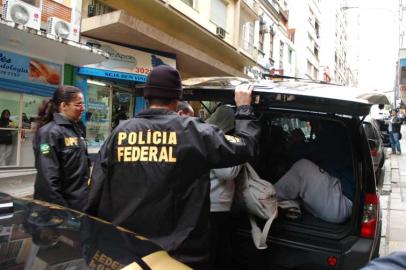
[(38, 235), (383, 128), (374, 136), (283, 106)]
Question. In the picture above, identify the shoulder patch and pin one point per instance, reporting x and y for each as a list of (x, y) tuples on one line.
[(44, 148)]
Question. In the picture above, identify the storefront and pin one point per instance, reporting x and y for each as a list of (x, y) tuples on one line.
[(24, 83), (109, 87), (32, 66)]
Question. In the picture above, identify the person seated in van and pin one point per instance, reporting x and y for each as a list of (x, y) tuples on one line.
[(322, 177)]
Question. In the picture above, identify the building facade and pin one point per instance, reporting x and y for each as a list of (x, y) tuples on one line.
[(305, 19), (208, 38), (335, 52), (34, 60)]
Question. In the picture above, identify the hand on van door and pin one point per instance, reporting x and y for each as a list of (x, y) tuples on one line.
[(243, 94)]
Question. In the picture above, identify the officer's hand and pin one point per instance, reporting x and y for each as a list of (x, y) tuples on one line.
[(243, 94)]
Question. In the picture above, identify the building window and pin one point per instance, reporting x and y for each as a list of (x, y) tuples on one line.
[(218, 13), (309, 68), (271, 37), (261, 38), (190, 3), (281, 47), (315, 73), (290, 56), (317, 29)]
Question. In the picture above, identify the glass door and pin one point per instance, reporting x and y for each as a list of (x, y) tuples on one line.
[(98, 115), (123, 105)]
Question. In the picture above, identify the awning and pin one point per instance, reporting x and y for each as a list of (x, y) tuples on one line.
[(33, 43)]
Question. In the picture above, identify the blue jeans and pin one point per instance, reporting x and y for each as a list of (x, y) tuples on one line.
[(394, 141)]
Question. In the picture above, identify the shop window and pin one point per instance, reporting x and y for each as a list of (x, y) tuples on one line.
[(98, 115), (30, 105), (9, 122)]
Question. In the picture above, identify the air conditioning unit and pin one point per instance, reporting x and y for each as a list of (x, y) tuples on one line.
[(22, 13), (221, 32), (63, 29)]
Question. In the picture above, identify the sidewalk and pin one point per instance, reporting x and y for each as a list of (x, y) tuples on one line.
[(18, 183), (393, 201)]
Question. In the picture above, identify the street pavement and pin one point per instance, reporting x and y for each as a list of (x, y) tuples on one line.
[(392, 188), (393, 200)]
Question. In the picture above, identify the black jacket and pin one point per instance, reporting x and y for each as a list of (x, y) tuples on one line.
[(62, 163), (6, 136), (396, 124), (151, 176)]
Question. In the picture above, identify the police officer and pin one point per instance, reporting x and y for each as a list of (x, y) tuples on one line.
[(60, 150), (147, 177)]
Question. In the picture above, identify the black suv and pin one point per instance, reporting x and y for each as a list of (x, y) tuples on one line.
[(284, 106)]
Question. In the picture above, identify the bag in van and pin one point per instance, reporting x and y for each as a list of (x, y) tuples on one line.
[(259, 197)]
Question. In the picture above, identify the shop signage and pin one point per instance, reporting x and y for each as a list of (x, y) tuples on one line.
[(402, 80), (125, 63), (25, 69)]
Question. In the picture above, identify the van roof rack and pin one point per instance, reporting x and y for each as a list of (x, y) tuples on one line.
[(277, 76)]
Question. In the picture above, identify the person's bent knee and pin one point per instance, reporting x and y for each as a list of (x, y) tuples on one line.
[(303, 163)]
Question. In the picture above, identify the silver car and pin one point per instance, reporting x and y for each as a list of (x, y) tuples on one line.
[(373, 133)]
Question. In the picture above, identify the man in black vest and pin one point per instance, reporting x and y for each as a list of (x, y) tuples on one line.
[(148, 174)]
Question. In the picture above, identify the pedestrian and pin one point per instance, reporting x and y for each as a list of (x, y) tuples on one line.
[(6, 138), (60, 150), (394, 125), (222, 188), (149, 174), (184, 108)]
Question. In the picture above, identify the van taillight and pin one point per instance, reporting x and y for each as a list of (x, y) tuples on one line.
[(370, 215), (374, 152)]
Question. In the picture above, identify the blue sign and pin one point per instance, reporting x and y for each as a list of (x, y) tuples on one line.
[(25, 69), (13, 66), (112, 74), (403, 62)]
